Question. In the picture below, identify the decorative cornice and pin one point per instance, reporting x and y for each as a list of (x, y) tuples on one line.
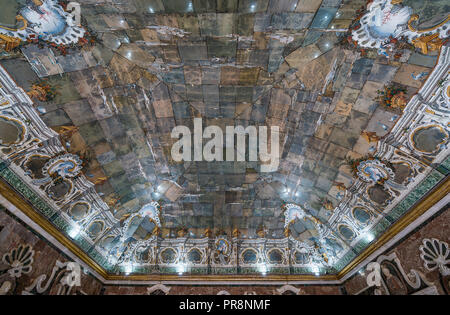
[(419, 209)]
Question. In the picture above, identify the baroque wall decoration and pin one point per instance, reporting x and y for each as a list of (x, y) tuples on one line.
[(386, 20), (103, 195), (45, 20)]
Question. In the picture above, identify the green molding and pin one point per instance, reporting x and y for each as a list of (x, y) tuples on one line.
[(38, 203)]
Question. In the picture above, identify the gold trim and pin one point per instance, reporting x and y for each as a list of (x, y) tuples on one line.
[(415, 17), (414, 132), (437, 194), (209, 278), (8, 43), (18, 18)]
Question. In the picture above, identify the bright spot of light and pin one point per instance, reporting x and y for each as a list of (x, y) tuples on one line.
[(75, 231), (128, 268), (262, 268), (370, 237), (315, 270), (181, 269)]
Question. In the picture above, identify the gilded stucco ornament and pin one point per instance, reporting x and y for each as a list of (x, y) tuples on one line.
[(182, 232), (293, 212), (319, 251), (208, 233), (8, 43), (150, 211), (46, 20), (393, 98), (222, 251), (386, 20)]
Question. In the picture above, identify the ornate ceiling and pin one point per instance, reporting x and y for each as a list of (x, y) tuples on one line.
[(91, 91)]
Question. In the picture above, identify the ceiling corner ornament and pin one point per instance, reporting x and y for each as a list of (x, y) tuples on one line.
[(151, 211), (435, 255), (127, 249), (291, 213), (319, 248), (45, 20), (386, 20)]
